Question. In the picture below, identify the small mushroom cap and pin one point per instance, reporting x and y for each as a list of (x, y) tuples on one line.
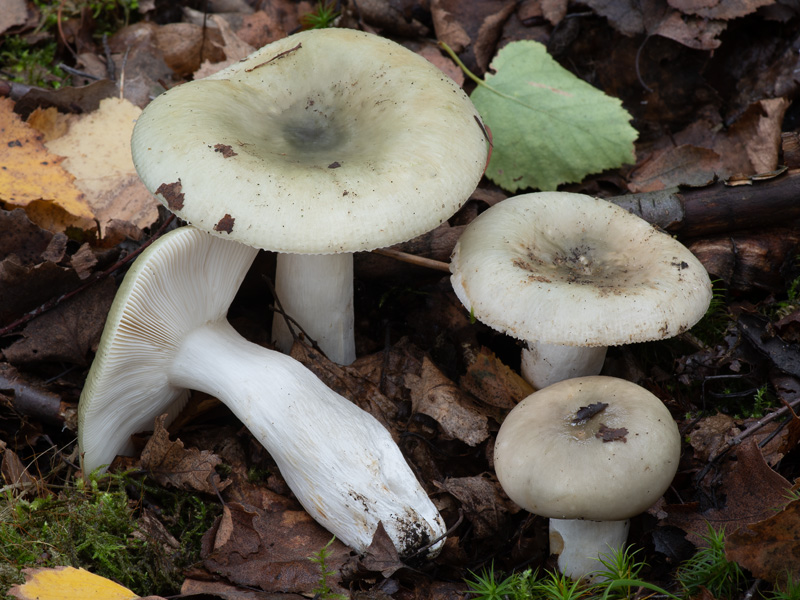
[(557, 468), (176, 285), (327, 141), (563, 268)]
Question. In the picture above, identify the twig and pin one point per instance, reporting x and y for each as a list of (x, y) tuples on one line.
[(414, 259), (735, 441), (291, 323), (53, 302)]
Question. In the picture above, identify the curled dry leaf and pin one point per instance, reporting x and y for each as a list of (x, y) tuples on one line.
[(173, 465), (433, 394)]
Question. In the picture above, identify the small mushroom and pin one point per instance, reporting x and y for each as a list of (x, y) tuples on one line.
[(325, 143), (167, 333), (588, 453), (571, 275)]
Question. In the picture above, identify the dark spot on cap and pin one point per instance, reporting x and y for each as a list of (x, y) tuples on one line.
[(225, 224), (15, 144), (171, 192), (334, 165), (225, 150)]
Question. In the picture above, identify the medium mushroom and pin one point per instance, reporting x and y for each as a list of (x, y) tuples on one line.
[(322, 144), (572, 275), (589, 453), (167, 333)]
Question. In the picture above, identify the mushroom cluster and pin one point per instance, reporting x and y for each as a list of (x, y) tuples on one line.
[(322, 144), (571, 275), (167, 333), (589, 453)]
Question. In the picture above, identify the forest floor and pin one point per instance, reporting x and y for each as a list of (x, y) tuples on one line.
[(709, 86)]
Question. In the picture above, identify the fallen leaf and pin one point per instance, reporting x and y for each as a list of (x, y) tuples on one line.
[(31, 174), (752, 492), (68, 583), (682, 165), (68, 332), (172, 465), (769, 549), (14, 13), (97, 151), (433, 394), (549, 127), (493, 382), (270, 550), (483, 503), (719, 9)]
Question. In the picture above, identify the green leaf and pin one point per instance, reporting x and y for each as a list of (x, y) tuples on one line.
[(548, 126)]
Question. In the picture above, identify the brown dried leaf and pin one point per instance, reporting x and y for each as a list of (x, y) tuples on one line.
[(433, 394), (485, 506), (68, 332), (381, 555), (173, 465), (270, 550), (719, 9), (752, 492), (682, 165), (769, 549), (492, 382)]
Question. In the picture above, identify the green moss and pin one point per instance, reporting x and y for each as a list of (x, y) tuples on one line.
[(99, 526)]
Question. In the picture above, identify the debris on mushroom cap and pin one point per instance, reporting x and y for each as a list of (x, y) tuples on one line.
[(563, 268), (557, 464), (327, 141)]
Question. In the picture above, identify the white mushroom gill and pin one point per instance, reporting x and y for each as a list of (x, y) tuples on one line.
[(167, 333)]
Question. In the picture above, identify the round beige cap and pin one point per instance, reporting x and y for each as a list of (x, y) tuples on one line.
[(610, 465), (330, 140), (563, 268)]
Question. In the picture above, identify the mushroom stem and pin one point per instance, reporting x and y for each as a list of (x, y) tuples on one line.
[(545, 364), (579, 543), (316, 290), (340, 462)]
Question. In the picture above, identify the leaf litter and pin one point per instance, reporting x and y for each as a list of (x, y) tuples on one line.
[(440, 384)]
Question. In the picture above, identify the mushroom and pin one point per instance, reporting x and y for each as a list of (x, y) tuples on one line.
[(589, 453), (167, 333), (316, 146), (572, 275)]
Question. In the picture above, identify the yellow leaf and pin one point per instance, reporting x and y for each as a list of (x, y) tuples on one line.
[(97, 151), (67, 583), (30, 174)]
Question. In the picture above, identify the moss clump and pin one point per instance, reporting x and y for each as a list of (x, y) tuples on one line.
[(104, 527)]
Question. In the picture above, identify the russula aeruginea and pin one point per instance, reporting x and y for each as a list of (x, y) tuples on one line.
[(571, 275), (167, 333), (325, 143), (588, 453)]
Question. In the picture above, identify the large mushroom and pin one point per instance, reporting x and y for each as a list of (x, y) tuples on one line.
[(316, 146), (571, 275), (167, 333), (589, 453)]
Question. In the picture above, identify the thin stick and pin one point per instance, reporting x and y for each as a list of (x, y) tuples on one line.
[(414, 259)]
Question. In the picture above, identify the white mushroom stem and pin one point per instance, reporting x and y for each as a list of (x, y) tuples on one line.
[(316, 290), (579, 543), (545, 364), (167, 333), (339, 461)]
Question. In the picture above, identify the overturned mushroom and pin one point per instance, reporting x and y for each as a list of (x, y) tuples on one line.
[(167, 333), (316, 146), (589, 453), (572, 275)]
